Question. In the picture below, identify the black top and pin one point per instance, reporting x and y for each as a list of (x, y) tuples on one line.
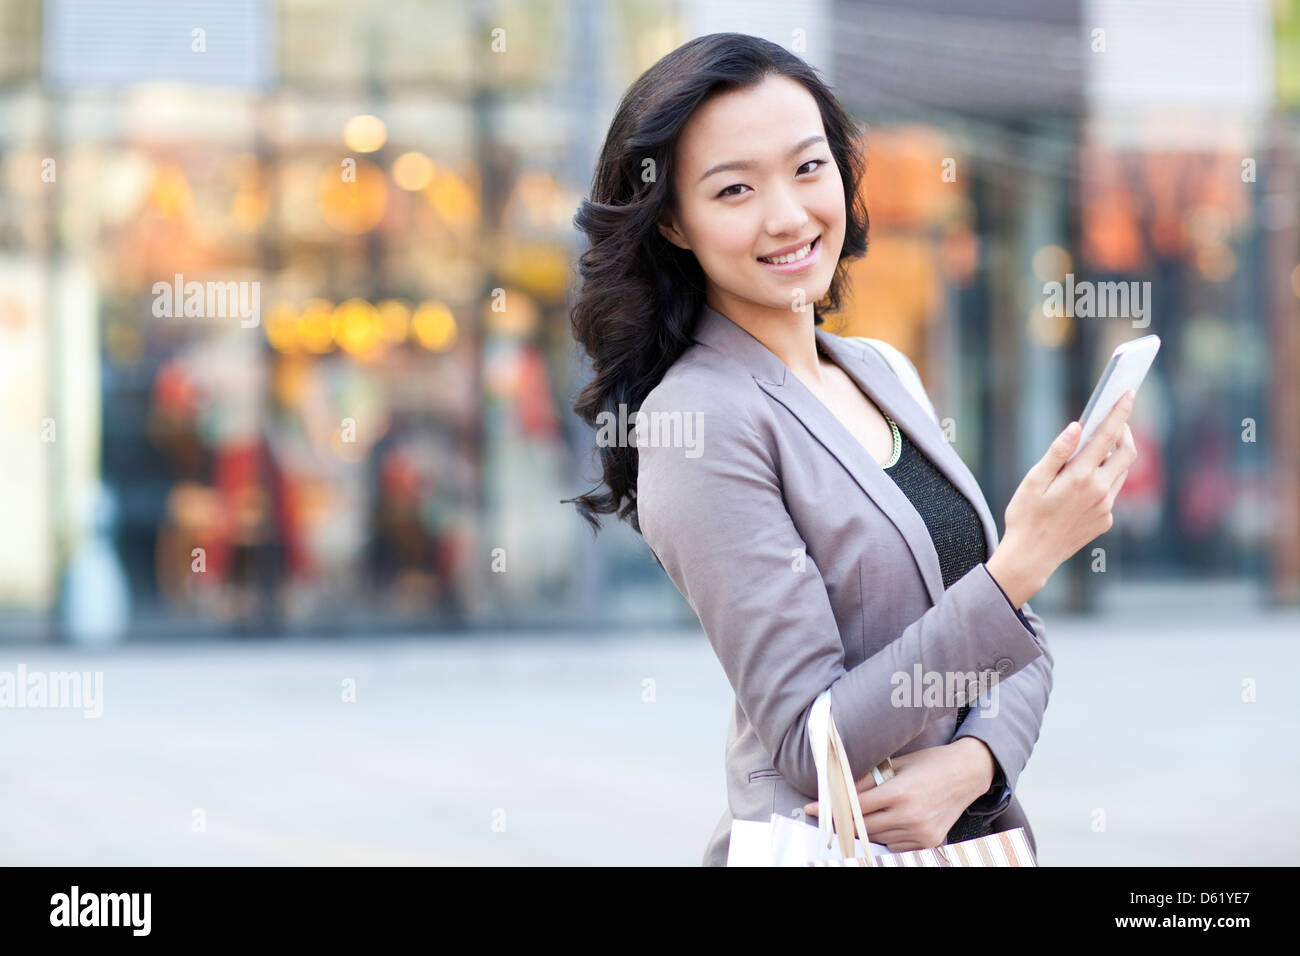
[(958, 538), (952, 521), (954, 525)]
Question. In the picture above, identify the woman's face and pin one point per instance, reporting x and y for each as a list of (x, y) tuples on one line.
[(778, 189)]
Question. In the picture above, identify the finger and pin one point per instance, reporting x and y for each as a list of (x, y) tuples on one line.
[(897, 842), (877, 797), (866, 783), (878, 819), (1047, 467), (868, 799), (887, 835), (1114, 489), (870, 795), (1120, 458), (1110, 432), (1110, 435), (880, 822), (885, 821)]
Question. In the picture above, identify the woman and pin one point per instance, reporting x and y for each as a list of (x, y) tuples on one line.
[(815, 517)]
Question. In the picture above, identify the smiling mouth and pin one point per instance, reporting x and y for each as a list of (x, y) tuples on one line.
[(792, 257)]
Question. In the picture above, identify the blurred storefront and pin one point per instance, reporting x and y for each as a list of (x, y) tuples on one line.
[(368, 431), (1013, 145)]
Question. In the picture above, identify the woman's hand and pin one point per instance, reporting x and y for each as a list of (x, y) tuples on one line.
[(930, 789), (1060, 507)]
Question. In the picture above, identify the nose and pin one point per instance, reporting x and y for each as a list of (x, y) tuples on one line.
[(785, 215)]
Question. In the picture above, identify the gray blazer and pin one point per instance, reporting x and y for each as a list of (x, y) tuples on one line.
[(810, 569)]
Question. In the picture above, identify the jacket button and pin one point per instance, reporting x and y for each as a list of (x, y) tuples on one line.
[(1004, 666)]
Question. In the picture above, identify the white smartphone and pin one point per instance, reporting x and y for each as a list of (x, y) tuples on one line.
[(1126, 369)]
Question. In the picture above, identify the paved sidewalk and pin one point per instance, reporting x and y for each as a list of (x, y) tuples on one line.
[(543, 750)]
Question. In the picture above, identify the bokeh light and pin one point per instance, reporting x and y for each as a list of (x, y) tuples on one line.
[(413, 171), (365, 133)]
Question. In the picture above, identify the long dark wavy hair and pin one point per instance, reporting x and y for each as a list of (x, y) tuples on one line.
[(640, 295)]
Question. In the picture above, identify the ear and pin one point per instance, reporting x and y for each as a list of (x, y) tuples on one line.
[(668, 229)]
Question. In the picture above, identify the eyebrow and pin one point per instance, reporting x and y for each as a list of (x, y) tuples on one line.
[(749, 163)]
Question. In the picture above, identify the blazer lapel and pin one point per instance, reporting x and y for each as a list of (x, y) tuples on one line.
[(874, 376), (878, 381)]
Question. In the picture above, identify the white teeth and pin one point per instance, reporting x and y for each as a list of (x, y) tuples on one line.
[(792, 257)]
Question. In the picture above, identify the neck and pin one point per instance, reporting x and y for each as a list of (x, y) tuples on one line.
[(789, 335)]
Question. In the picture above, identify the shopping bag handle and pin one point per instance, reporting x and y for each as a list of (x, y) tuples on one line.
[(839, 810)]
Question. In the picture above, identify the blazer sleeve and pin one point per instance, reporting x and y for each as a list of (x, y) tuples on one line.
[(718, 525), (1011, 730)]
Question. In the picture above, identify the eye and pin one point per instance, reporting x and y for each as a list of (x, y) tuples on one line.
[(727, 193)]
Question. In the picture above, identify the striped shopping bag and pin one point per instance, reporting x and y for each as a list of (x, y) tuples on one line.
[(1008, 848), (836, 787)]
